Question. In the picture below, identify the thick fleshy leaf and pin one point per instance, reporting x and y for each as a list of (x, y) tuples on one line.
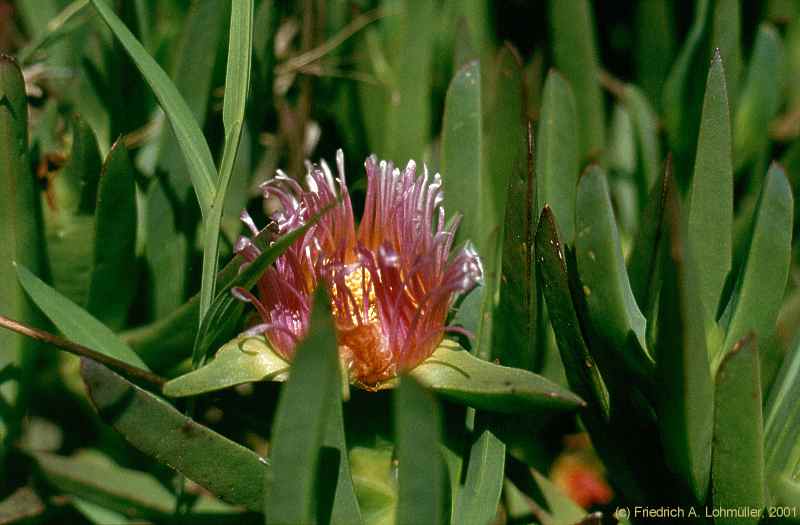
[(643, 262), (782, 422), (480, 494), (227, 469), (737, 464), (514, 317), (760, 99), (74, 322), (187, 132), (242, 360), (615, 316), (112, 284), (759, 290), (484, 108), (461, 168), (557, 154), (337, 481), (655, 33), (726, 38), (503, 155), (375, 480), (451, 371), (461, 377), (299, 428), (645, 126), (580, 367), (95, 478), (421, 468), (409, 38), (683, 92), (686, 395), (575, 55), (710, 227), (20, 227)]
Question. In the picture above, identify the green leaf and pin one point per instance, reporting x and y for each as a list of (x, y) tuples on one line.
[(242, 360), (615, 316), (710, 228), (20, 223), (575, 55), (184, 125), (737, 464), (557, 162), (655, 46), (484, 108), (299, 428), (69, 215), (375, 480), (461, 167), (726, 38), (782, 421), (220, 318), (759, 289), (580, 367), (643, 269), (459, 376), (683, 92), (113, 285), (686, 395), (645, 124), (478, 498), (171, 211), (237, 84), (450, 371), (230, 471), (74, 322), (57, 28), (169, 340), (422, 476), (409, 39), (92, 476), (345, 507), (514, 317), (760, 98)]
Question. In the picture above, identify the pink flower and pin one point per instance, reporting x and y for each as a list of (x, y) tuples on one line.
[(391, 282)]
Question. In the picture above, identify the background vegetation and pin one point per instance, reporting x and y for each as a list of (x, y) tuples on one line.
[(616, 170)]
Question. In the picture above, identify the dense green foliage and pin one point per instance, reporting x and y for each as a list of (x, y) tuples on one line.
[(628, 178)]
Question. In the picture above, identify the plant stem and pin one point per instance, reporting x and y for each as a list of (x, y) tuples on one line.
[(82, 351)]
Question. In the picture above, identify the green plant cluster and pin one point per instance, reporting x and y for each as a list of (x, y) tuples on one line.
[(638, 237)]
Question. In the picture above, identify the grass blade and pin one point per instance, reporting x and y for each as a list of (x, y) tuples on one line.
[(171, 210), (184, 125)]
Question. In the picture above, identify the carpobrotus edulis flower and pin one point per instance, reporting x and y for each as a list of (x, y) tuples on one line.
[(391, 281)]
